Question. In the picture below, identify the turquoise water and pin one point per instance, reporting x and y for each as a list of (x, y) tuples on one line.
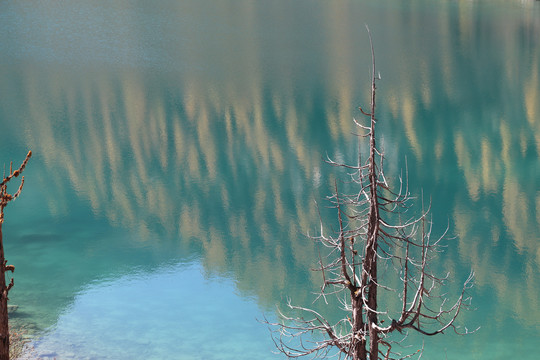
[(144, 310), (178, 152)]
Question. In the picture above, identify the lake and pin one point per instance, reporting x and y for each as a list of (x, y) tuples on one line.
[(179, 151)]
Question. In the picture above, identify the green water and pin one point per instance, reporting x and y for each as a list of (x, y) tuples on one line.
[(178, 151)]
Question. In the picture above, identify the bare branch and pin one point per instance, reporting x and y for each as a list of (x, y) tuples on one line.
[(376, 232)]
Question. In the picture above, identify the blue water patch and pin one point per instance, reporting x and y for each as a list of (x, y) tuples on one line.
[(173, 313)]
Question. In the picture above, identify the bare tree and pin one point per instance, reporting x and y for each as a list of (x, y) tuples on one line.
[(5, 198), (377, 255)]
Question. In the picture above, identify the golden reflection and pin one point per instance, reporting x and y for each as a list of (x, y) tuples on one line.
[(489, 167), (466, 21), (532, 102), (425, 84), (206, 143), (337, 21), (465, 163), (439, 149), (179, 142), (516, 212), (144, 163), (408, 115), (538, 211), (193, 164), (393, 103)]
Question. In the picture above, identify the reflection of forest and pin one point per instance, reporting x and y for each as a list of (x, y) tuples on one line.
[(487, 122), (231, 167)]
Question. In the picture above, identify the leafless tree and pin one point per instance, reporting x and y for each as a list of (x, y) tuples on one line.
[(378, 254), (5, 198)]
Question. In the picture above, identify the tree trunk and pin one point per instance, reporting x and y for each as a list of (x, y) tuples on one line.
[(4, 325), (359, 343), (372, 300), (5, 198)]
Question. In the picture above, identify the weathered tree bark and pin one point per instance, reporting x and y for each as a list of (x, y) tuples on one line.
[(4, 325), (5, 198)]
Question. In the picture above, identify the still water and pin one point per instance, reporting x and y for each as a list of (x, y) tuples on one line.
[(178, 151)]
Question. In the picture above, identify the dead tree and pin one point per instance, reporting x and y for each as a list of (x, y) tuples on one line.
[(377, 255), (5, 198)]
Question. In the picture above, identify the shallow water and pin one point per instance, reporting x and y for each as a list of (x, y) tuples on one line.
[(178, 152)]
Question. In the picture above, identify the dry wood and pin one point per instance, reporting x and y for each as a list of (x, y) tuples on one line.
[(5, 198), (372, 233)]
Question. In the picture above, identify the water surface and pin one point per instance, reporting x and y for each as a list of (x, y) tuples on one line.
[(178, 152)]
